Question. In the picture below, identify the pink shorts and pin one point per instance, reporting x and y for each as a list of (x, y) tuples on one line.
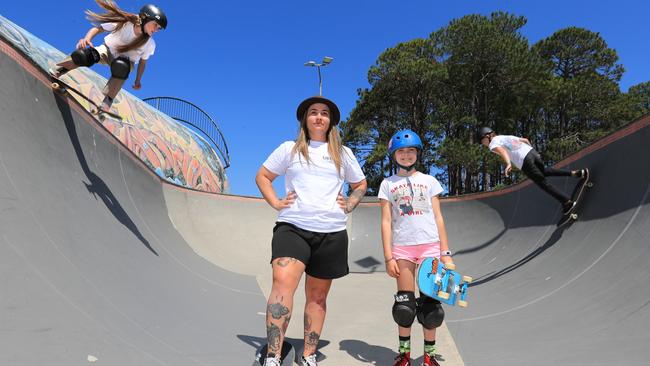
[(416, 253)]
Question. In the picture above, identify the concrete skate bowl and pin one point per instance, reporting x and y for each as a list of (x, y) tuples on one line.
[(99, 256)]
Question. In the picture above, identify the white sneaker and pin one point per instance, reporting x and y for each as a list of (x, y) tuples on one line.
[(309, 360), (272, 361)]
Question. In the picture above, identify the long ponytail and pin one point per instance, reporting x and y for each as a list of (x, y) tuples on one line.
[(114, 14)]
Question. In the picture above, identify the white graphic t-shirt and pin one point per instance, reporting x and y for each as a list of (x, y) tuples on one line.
[(410, 201), (316, 184), (516, 149), (123, 37)]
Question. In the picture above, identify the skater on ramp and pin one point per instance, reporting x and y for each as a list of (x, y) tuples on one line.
[(412, 229), (310, 234), (518, 151), (129, 41)]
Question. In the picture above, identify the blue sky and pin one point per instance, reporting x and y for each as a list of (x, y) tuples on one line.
[(242, 61)]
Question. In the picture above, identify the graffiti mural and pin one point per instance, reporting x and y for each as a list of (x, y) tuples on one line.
[(173, 151)]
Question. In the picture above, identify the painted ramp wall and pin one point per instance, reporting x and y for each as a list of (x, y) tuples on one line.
[(170, 149)]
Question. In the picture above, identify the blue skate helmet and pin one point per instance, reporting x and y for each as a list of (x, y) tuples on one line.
[(402, 139)]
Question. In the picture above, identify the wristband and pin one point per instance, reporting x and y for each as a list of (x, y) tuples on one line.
[(446, 253), (389, 259)]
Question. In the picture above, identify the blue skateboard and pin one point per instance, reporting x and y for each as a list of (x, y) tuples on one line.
[(442, 282)]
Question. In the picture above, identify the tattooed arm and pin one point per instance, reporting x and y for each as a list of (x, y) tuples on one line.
[(358, 191)]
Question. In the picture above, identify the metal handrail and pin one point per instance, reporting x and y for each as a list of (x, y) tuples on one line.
[(190, 114)]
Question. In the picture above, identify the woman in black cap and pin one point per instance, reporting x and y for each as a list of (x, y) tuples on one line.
[(310, 234), (129, 42)]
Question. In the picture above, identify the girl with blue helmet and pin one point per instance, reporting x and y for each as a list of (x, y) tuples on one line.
[(403, 139), (412, 229)]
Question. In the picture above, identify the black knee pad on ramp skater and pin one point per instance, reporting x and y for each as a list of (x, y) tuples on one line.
[(85, 56), (120, 68)]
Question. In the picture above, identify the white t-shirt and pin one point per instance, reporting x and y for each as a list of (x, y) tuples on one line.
[(410, 201), (123, 37), (316, 184), (516, 149)]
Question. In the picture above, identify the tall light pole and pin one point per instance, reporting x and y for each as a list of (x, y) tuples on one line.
[(326, 61)]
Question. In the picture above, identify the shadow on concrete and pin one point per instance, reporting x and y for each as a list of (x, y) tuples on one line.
[(96, 185)]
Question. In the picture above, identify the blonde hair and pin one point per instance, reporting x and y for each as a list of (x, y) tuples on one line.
[(114, 14), (334, 146)]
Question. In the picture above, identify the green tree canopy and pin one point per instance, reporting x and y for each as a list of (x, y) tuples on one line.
[(561, 93)]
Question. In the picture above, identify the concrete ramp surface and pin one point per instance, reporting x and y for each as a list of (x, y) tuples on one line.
[(103, 262)]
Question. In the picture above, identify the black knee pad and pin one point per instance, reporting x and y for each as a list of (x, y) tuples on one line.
[(404, 308), (85, 56), (430, 312), (120, 68)]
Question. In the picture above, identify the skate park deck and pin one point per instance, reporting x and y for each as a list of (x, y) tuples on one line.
[(102, 260)]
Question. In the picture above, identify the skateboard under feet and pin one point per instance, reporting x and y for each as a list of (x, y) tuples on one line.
[(63, 88), (576, 197)]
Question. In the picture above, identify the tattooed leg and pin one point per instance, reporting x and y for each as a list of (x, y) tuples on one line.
[(316, 291), (286, 275), (274, 337), (278, 315), (311, 337), (284, 262)]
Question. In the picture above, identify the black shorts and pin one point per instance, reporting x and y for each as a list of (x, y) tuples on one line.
[(325, 255)]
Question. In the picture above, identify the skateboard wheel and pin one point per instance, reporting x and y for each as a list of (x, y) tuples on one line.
[(574, 216), (57, 87), (443, 295), (590, 184), (467, 279), (462, 303), (450, 266)]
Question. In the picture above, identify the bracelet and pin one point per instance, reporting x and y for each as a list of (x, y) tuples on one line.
[(389, 259), (446, 253)]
